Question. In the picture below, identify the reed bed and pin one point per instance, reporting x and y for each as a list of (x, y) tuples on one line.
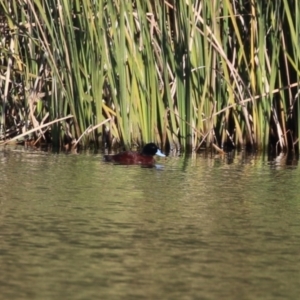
[(184, 74)]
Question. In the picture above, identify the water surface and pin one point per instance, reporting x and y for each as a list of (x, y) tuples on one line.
[(74, 227)]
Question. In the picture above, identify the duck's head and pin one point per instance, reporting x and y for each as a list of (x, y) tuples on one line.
[(151, 149)]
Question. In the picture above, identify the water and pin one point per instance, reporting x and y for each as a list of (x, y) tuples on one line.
[(74, 227)]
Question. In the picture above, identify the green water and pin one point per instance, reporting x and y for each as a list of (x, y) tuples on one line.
[(74, 227)]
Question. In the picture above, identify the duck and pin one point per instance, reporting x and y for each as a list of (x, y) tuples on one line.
[(145, 158)]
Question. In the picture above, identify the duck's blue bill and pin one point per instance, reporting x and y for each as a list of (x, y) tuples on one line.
[(159, 153)]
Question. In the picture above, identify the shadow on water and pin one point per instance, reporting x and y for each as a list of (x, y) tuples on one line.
[(200, 227)]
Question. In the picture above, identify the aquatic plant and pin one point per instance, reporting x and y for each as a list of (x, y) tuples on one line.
[(188, 74)]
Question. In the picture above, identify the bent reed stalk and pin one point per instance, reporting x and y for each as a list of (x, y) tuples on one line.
[(183, 74)]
